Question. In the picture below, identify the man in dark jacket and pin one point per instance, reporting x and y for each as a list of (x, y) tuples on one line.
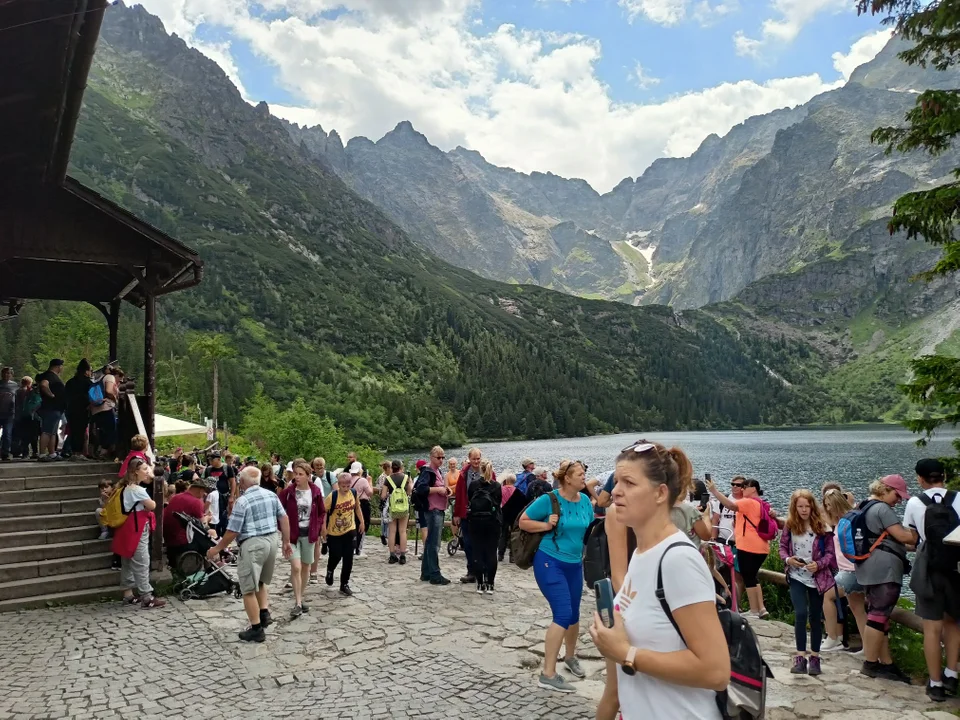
[(469, 475), (78, 402)]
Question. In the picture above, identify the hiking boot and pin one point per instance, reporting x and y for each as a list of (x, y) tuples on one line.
[(439, 581), (304, 607), (936, 693), (573, 665), (253, 635), (266, 619), (393, 560), (870, 669), (403, 558), (383, 541), (468, 578), (892, 672), (556, 683), (296, 612), (950, 685), (329, 579), (814, 667), (799, 665), (345, 590)]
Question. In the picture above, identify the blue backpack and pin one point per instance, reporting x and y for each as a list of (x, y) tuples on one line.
[(856, 540), (95, 393)]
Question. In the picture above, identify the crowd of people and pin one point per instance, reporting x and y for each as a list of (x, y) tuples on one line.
[(662, 526), (47, 419)]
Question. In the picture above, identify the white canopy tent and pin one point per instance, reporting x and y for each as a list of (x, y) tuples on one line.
[(164, 426)]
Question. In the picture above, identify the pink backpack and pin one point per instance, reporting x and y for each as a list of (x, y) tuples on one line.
[(767, 527)]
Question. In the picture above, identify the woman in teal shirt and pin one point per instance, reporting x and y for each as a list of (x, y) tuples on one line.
[(558, 567)]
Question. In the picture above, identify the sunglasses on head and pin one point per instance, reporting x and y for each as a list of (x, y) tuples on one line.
[(641, 446)]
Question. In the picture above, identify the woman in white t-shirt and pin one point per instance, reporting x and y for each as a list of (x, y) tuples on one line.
[(662, 673)]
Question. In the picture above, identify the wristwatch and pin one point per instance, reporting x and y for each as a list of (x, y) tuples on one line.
[(628, 668)]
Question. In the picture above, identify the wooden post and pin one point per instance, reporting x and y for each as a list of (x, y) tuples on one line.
[(113, 323), (150, 404)]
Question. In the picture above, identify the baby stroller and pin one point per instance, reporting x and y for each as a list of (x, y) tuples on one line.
[(200, 577), (454, 544)]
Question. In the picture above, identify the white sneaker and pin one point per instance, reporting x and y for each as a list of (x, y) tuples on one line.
[(830, 645)]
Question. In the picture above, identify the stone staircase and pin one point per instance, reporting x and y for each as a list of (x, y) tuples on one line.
[(49, 551)]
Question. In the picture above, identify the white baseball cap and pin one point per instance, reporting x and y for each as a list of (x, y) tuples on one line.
[(356, 469)]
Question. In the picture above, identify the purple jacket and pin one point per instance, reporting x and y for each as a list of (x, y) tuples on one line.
[(288, 498), (823, 556)]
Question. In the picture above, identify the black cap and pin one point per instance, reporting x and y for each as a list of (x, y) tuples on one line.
[(930, 469), (213, 454)]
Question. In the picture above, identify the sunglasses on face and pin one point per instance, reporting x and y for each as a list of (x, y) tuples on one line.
[(736, 485)]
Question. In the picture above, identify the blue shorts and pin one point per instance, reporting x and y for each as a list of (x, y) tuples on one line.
[(562, 585), (50, 421), (421, 519), (847, 581)]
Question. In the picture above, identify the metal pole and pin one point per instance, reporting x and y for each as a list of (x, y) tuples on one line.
[(113, 323)]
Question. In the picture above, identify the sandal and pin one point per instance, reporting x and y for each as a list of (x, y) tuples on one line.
[(152, 601)]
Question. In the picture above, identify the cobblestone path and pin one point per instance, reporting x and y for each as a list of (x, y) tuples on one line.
[(398, 649)]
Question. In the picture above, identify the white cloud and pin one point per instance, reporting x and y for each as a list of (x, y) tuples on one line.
[(782, 30), (707, 14), (524, 99), (643, 80), (863, 50), (662, 12)]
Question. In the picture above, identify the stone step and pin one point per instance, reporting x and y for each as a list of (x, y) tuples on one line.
[(58, 583), (50, 551), (70, 597), (78, 492), (56, 566), (50, 537), (40, 482), (26, 468), (10, 510), (46, 522)]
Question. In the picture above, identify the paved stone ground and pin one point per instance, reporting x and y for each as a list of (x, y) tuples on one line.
[(399, 648)]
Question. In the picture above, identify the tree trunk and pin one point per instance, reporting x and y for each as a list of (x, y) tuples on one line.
[(216, 396)]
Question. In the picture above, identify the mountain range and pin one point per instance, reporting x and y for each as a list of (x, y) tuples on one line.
[(325, 294)]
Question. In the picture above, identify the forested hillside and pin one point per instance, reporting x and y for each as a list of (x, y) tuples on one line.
[(322, 297)]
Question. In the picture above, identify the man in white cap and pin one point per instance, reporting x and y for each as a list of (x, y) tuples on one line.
[(361, 486)]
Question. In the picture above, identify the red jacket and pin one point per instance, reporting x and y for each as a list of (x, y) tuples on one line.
[(127, 536), (460, 503), (288, 498)]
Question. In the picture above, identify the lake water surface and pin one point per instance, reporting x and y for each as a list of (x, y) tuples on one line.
[(782, 460)]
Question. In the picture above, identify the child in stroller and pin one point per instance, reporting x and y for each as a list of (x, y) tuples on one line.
[(200, 577)]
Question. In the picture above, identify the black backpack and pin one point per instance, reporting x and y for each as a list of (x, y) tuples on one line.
[(482, 503), (939, 520), (596, 553), (745, 696)]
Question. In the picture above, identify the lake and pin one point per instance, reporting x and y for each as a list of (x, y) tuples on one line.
[(782, 460)]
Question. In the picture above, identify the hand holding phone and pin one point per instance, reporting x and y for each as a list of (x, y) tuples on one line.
[(604, 591)]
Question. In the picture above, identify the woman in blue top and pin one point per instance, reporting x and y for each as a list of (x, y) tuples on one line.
[(558, 567)]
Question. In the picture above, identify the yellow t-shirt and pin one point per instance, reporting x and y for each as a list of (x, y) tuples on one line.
[(341, 519)]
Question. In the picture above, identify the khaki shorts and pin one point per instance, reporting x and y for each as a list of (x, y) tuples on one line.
[(303, 549), (255, 566)]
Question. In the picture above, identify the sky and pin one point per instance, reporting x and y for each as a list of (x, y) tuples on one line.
[(594, 89)]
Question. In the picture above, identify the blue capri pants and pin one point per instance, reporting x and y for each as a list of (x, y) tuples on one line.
[(562, 585)]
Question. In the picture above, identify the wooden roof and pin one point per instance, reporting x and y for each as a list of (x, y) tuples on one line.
[(59, 239)]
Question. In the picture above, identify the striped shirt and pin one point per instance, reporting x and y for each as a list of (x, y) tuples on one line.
[(255, 513)]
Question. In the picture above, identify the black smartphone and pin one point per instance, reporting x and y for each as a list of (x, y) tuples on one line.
[(707, 477), (604, 590)]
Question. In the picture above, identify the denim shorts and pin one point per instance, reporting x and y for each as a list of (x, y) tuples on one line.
[(50, 421), (847, 581)]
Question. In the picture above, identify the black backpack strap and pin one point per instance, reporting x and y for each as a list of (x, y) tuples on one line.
[(926, 499), (661, 596), (555, 506), (333, 505)]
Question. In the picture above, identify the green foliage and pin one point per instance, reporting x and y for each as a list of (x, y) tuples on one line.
[(294, 432), (906, 646), (776, 598), (76, 333)]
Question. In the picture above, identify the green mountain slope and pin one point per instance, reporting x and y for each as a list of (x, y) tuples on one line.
[(325, 298)]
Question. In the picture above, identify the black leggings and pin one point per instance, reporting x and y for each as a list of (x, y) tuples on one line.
[(750, 564), (340, 548), (484, 539)]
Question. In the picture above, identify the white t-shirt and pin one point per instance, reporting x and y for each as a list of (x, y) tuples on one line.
[(915, 511), (133, 497), (686, 581), (727, 518), (214, 499), (304, 503)]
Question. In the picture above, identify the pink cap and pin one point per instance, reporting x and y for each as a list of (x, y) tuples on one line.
[(896, 482), (420, 464)]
